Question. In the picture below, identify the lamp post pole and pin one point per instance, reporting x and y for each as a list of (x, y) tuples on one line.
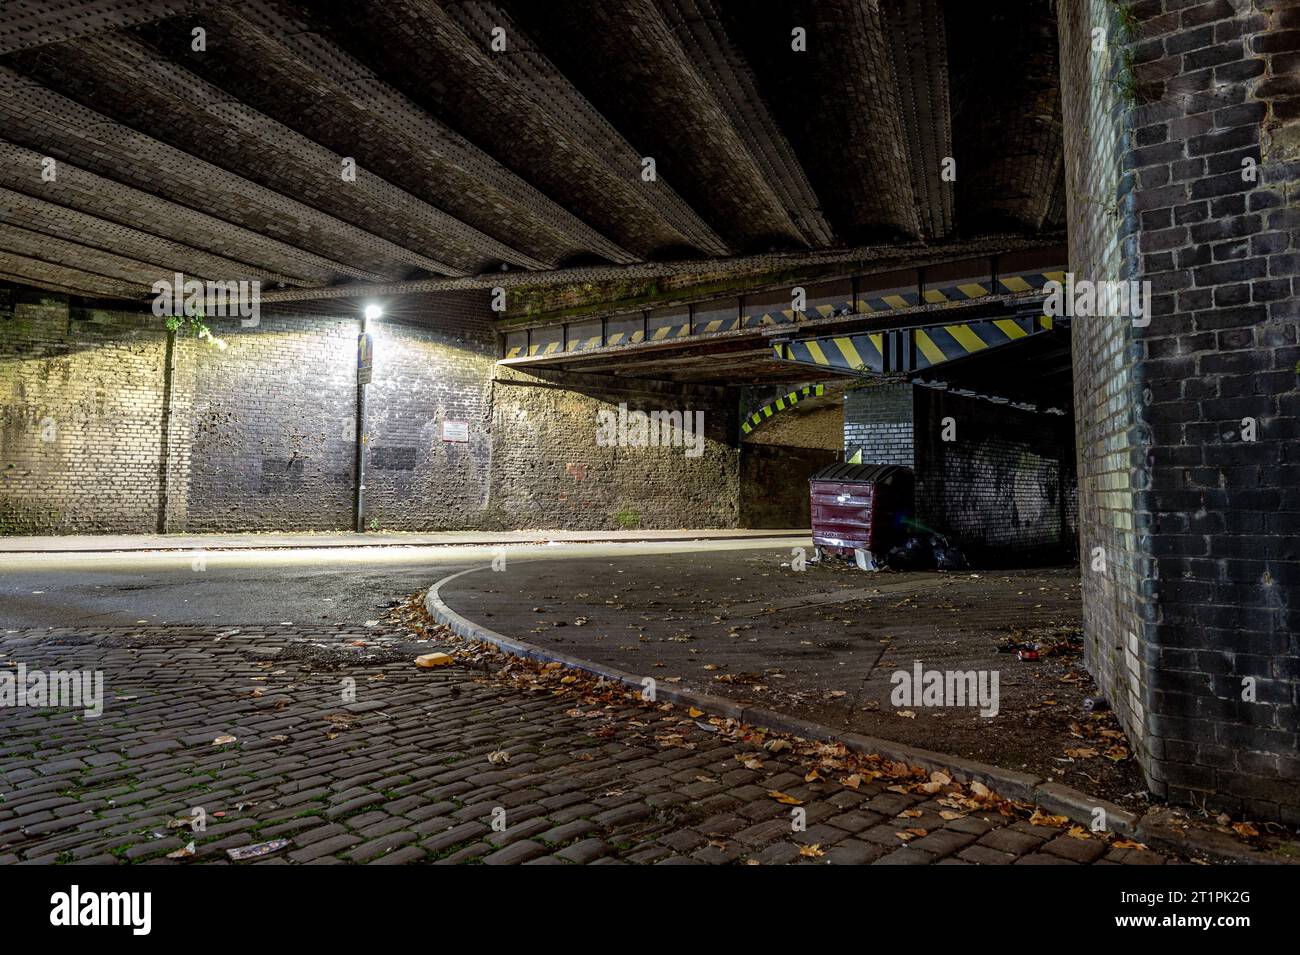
[(365, 366)]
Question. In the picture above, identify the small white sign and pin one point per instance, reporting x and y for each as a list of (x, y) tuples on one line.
[(456, 431)]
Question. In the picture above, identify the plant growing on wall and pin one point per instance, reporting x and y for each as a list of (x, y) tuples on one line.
[(186, 324)]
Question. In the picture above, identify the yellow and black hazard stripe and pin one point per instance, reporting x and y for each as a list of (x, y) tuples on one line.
[(666, 330), (887, 300), (1028, 281), (904, 350), (771, 317), (780, 404)]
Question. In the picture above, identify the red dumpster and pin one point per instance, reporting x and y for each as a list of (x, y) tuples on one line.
[(861, 509)]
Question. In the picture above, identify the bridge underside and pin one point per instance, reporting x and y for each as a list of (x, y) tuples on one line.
[(381, 147), (703, 206)]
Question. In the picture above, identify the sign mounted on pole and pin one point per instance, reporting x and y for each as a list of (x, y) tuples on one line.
[(365, 358)]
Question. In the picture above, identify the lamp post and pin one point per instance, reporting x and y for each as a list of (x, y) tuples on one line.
[(365, 367)]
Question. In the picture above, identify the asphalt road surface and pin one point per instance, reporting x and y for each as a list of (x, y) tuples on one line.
[(257, 587)]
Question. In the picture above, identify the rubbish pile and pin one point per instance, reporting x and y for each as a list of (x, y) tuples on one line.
[(926, 552)]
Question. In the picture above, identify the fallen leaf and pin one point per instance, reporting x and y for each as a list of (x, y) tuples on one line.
[(812, 852), (783, 798), (183, 853), (1040, 818), (777, 745), (1244, 829), (498, 757), (223, 740), (906, 714), (694, 713), (1128, 844)]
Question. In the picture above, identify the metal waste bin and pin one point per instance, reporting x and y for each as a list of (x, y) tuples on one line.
[(860, 508)]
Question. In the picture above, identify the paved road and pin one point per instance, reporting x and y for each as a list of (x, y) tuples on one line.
[(351, 754), (302, 586), (258, 734)]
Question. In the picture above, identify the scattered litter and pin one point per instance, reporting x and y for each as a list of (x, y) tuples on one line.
[(224, 740), (433, 660), (240, 853), (1095, 704), (182, 853), (499, 757)]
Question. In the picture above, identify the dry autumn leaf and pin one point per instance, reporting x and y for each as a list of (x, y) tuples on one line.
[(783, 798), (811, 852), (1128, 844), (1040, 818), (1244, 829)]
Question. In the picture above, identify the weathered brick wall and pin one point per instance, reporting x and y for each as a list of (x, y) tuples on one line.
[(1004, 488), (274, 435), (878, 422), (80, 420), (260, 435), (1197, 600), (548, 471), (273, 426), (774, 489), (423, 378), (1116, 602), (779, 456)]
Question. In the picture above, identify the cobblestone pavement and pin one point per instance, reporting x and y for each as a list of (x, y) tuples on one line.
[(412, 771)]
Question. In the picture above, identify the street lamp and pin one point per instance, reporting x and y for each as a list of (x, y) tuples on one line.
[(365, 368)]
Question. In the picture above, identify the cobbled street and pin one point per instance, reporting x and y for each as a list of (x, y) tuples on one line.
[(421, 762)]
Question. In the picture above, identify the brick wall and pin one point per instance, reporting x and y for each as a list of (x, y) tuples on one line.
[(260, 435), (1004, 488), (81, 413), (878, 422), (1198, 594), (549, 471)]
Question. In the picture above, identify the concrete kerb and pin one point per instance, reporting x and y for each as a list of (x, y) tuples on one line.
[(1053, 797)]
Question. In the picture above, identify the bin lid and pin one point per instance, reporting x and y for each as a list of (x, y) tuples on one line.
[(845, 473)]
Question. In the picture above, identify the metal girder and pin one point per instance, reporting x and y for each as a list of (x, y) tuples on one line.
[(904, 351)]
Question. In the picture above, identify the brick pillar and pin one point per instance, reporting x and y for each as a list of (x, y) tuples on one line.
[(1181, 168), (878, 422)]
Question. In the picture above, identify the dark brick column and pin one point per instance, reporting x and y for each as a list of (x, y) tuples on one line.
[(1182, 169), (878, 422)]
